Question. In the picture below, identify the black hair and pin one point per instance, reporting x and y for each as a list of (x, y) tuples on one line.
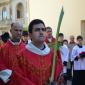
[(61, 35), (65, 40), (79, 37), (25, 33), (5, 37), (34, 22), (48, 28)]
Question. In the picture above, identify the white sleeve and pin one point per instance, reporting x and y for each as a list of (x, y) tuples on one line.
[(74, 54), (5, 74), (66, 53)]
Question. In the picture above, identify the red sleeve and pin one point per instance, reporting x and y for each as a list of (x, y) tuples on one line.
[(59, 66), (2, 65), (18, 78), (53, 40)]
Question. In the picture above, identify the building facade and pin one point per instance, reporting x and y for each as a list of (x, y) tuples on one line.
[(48, 10), (12, 11)]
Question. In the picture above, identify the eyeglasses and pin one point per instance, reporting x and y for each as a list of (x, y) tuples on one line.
[(38, 29)]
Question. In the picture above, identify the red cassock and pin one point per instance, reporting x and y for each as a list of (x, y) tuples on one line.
[(37, 68), (8, 60), (53, 40)]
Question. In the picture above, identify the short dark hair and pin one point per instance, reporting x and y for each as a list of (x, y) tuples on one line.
[(61, 35), (79, 37), (5, 37), (25, 33), (65, 40), (48, 28), (34, 22)]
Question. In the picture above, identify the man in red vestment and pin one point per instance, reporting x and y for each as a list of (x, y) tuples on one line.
[(36, 58), (10, 73), (50, 40)]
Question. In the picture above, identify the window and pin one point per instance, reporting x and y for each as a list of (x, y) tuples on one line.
[(20, 11), (4, 13)]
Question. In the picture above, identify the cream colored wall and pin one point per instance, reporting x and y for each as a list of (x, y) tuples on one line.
[(74, 13), (45, 10), (48, 11)]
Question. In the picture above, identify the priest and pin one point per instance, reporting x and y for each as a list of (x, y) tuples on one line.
[(36, 58), (10, 73)]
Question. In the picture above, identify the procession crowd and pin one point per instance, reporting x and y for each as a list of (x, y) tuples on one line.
[(26, 57)]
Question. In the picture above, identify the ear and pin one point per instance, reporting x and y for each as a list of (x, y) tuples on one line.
[(10, 30)]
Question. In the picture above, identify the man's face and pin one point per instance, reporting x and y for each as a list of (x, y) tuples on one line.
[(38, 33), (49, 33), (25, 38), (16, 31), (79, 41), (72, 39), (61, 38)]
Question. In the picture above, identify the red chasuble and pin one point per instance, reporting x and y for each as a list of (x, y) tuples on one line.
[(37, 68), (9, 61)]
